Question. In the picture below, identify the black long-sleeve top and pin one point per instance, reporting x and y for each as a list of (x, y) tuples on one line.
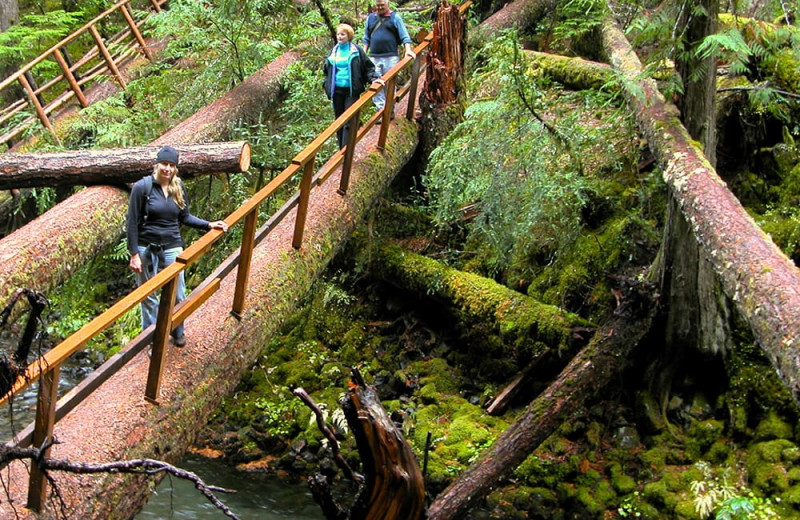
[(164, 218)]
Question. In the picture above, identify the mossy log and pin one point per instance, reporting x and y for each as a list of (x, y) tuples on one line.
[(45, 252), (581, 380), (762, 282), (515, 15), (116, 166), (573, 73), (519, 321)]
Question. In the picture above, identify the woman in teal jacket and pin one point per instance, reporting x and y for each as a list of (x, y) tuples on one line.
[(347, 71)]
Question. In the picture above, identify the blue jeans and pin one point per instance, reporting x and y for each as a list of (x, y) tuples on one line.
[(152, 263), (382, 66)]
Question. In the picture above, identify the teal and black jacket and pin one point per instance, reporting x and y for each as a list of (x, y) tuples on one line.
[(362, 71)]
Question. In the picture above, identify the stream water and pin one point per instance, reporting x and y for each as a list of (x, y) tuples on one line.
[(258, 497)]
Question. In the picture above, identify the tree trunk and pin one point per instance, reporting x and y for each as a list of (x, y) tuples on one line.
[(763, 283), (117, 166), (695, 318), (441, 109), (515, 15), (395, 489), (9, 14), (581, 380), (45, 252)]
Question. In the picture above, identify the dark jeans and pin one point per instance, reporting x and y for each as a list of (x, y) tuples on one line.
[(342, 100)]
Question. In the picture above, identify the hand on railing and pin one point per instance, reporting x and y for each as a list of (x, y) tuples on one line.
[(380, 82), (218, 224)]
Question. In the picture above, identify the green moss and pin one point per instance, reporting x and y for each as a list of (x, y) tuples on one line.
[(621, 482), (701, 436), (597, 499), (766, 465), (773, 427)]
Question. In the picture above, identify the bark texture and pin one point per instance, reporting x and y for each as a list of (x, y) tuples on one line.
[(762, 282), (585, 375), (441, 109), (117, 166), (44, 252)]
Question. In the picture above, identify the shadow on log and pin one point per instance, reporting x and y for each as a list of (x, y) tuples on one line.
[(392, 487)]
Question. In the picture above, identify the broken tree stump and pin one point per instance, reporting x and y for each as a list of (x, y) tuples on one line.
[(392, 487), (116, 166)]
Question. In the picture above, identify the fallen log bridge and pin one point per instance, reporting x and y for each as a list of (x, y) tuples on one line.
[(116, 166)]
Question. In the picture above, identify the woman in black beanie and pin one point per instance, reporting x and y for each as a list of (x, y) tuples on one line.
[(157, 207)]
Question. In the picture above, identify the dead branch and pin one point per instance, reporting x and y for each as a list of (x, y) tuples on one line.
[(149, 467)]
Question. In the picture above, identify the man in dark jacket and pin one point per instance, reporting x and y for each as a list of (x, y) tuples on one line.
[(384, 33)]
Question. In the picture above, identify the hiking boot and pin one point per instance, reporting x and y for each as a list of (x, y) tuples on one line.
[(179, 342)]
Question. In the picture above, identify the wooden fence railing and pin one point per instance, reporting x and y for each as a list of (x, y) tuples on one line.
[(106, 56), (47, 367)]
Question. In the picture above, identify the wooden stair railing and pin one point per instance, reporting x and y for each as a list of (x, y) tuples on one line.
[(105, 56), (45, 368)]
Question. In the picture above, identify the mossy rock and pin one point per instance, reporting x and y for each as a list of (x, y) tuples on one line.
[(701, 436), (772, 427), (766, 466), (622, 483)]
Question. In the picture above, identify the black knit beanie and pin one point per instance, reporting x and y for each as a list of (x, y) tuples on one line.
[(168, 154)]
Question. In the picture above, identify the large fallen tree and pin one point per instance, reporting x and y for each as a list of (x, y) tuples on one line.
[(116, 166), (45, 252), (585, 375), (521, 322), (763, 282)]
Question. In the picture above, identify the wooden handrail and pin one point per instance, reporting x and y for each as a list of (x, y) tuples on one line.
[(46, 54), (109, 62)]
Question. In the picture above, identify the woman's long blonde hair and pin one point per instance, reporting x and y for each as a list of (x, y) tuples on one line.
[(174, 189)]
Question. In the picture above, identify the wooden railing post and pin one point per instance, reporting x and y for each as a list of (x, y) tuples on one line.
[(156, 5), (42, 435), (135, 30), (245, 259), (36, 105), (107, 55), (388, 110), (302, 203), (70, 77), (160, 338), (349, 152), (412, 92)]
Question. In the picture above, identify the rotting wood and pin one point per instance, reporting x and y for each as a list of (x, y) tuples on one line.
[(582, 379), (392, 487), (445, 57), (12, 366), (499, 403), (762, 281), (117, 166)]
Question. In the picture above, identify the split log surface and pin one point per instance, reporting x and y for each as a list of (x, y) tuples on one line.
[(762, 281), (45, 252), (116, 166), (395, 489), (581, 380)]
